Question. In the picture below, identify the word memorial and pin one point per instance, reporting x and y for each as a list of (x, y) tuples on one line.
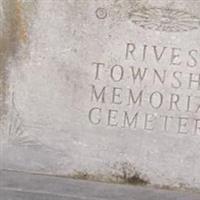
[(160, 98)]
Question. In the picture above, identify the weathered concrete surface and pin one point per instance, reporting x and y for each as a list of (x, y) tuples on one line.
[(13, 34), (20, 186), (102, 90)]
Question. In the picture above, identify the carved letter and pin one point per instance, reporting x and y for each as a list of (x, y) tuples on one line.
[(98, 97), (130, 48), (116, 95), (175, 75), (127, 122), (197, 126), (193, 62), (158, 57), (159, 100), (192, 80), (98, 66), (134, 100), (121, 73), (112, 117), (95, 120), (161, 79), (174, 101), (149, 119), (138, 75), (182, 125), (174, 57)]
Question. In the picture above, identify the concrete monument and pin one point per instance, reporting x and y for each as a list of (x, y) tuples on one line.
[(107, 90)]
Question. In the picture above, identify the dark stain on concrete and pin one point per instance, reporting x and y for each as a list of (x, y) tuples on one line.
[(123, 173)]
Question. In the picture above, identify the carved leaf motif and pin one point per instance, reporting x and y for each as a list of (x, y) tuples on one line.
[(163, 19), (15, 126), (16, 129)]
